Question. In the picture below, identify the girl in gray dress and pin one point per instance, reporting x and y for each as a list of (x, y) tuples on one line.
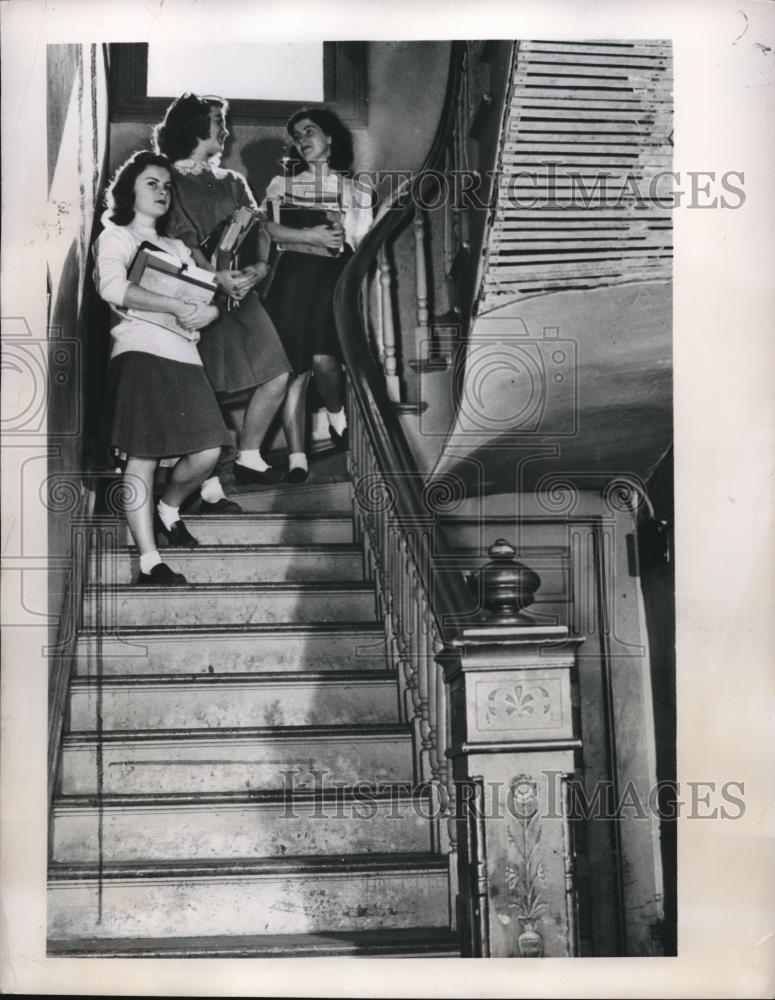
[(241, 352)]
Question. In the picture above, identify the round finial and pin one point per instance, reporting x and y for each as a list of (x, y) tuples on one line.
[(508, 586), (501, 550)]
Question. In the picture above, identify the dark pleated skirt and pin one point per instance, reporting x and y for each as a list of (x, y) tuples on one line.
[(301, 304), (241, 349), (161, 408)]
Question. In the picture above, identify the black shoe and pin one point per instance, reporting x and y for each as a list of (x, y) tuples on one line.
[(222, 506), (341, 442), (245, 475), (161, 576), (178, 536), (296, 474)]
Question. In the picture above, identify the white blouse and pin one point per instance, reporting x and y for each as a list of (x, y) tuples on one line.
[(323, 187)]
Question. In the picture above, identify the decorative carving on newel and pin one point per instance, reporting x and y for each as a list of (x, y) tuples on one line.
[(524, 874), (517, 705)]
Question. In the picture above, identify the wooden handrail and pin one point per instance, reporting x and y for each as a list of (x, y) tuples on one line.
[(367, 380), (448, 679)]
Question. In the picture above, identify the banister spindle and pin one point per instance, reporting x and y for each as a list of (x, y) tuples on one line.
[(388, 330), (423, 683), (422, 329), (449, 243), (375, 305), (450, 248)]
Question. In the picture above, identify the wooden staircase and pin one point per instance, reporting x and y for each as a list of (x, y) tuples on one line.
[(257, 764), (236, 778)]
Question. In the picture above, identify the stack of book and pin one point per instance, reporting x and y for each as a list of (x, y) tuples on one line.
[(158, 271), (298, 213), (223, 244)]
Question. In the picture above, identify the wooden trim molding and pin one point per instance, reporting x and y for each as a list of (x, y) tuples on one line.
[(345, 88)]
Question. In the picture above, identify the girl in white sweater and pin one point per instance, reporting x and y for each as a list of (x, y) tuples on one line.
[(162, 404)]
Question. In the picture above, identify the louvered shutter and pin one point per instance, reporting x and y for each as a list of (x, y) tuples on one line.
[(584, 191)]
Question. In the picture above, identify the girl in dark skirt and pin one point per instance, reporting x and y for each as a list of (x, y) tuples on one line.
[(300, 300), (163, 406), (242, 353)]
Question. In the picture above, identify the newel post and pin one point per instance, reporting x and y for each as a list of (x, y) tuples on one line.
[(512, 749)]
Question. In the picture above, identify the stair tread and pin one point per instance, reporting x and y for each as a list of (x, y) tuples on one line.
[(368, 628), (387, 790), (248, 863), (339, 732), (403, 939), (254, 548), (315, 586), (255, 528), (235, 679), (338, 489), (108, 520), (310, 864)]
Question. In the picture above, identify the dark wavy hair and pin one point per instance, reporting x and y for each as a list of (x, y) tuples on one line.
[(341, 157), (186, 121), (120, 195)]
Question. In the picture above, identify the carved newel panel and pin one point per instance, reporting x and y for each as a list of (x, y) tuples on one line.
[(512, 750)]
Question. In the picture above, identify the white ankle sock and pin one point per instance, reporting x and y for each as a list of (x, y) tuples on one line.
[(251, 459), (211, 490), (298, 460), (148, 560), (169, 515), (337, 420)]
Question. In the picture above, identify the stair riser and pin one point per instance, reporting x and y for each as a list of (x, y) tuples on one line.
[(209, 705), (241, 831), (213, 765), (192, 654), (169, 608), (326, 498), (313, 946), (269, 531), (289, 904), (248, 567)]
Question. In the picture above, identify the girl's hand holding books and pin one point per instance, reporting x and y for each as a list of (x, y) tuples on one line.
[(251, 276), (232, 282), (331, 237), (237, 284), (256, 272), (193, 316)]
